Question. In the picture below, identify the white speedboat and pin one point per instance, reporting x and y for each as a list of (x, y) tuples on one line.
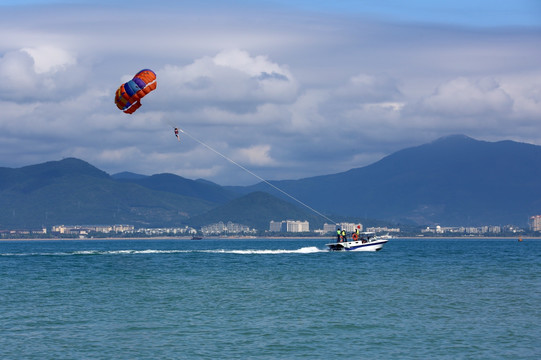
[(364, 241)]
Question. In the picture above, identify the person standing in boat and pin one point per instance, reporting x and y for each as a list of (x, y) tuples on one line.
[(344, 236), (338, 235)]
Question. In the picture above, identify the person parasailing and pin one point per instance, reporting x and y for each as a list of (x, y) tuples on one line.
[(176, 134)]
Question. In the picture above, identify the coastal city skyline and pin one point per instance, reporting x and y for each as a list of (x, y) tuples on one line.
[(275, 227)]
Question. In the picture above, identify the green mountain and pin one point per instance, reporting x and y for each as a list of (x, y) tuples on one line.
[(455, 180), (200, 189), (72, 191)]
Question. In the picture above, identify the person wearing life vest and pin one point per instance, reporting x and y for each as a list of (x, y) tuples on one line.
[(338, 235), (356, 233), (344, 235)]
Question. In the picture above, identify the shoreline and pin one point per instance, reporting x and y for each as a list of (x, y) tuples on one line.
[(127, 238)]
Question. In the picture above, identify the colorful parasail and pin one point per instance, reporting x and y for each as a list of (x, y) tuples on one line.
[(128, 95)]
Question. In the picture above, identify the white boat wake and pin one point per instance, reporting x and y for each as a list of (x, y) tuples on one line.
[(304, 250)]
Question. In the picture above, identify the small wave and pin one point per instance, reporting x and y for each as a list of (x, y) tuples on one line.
[(126, 252)]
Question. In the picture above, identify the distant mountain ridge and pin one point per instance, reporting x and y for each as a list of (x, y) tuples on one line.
[(72, 191), (175, 184), (455, 180)]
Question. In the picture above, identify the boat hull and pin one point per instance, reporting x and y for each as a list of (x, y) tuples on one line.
[(375, 245)]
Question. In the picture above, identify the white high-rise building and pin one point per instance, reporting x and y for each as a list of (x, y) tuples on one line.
[(289, 226), (535, 223), (277, 226), (329, 228), (298, 226)]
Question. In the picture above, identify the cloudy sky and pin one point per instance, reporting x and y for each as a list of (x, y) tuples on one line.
[(287, 89)]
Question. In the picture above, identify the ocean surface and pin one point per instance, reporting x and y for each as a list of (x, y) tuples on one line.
[(270, 299)]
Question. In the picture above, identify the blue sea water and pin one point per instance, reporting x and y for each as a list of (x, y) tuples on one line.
[(270, 299)]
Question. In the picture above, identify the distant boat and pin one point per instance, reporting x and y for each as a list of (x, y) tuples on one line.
[(519, 239), (196, 237), (365, 241)]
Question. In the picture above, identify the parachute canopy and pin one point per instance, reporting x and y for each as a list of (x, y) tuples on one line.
[(128, 95)]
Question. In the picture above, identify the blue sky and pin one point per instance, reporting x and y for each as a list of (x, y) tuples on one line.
[(461, 12), (288, 89)]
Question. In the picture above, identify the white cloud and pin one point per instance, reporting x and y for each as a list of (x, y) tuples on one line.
[(526, 94), (289, 92), (42, 73), (365, 88), (306, 117), (48, 59), (468, 97), (256, 155), (16, 71), (232, 80), (242, 61)]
